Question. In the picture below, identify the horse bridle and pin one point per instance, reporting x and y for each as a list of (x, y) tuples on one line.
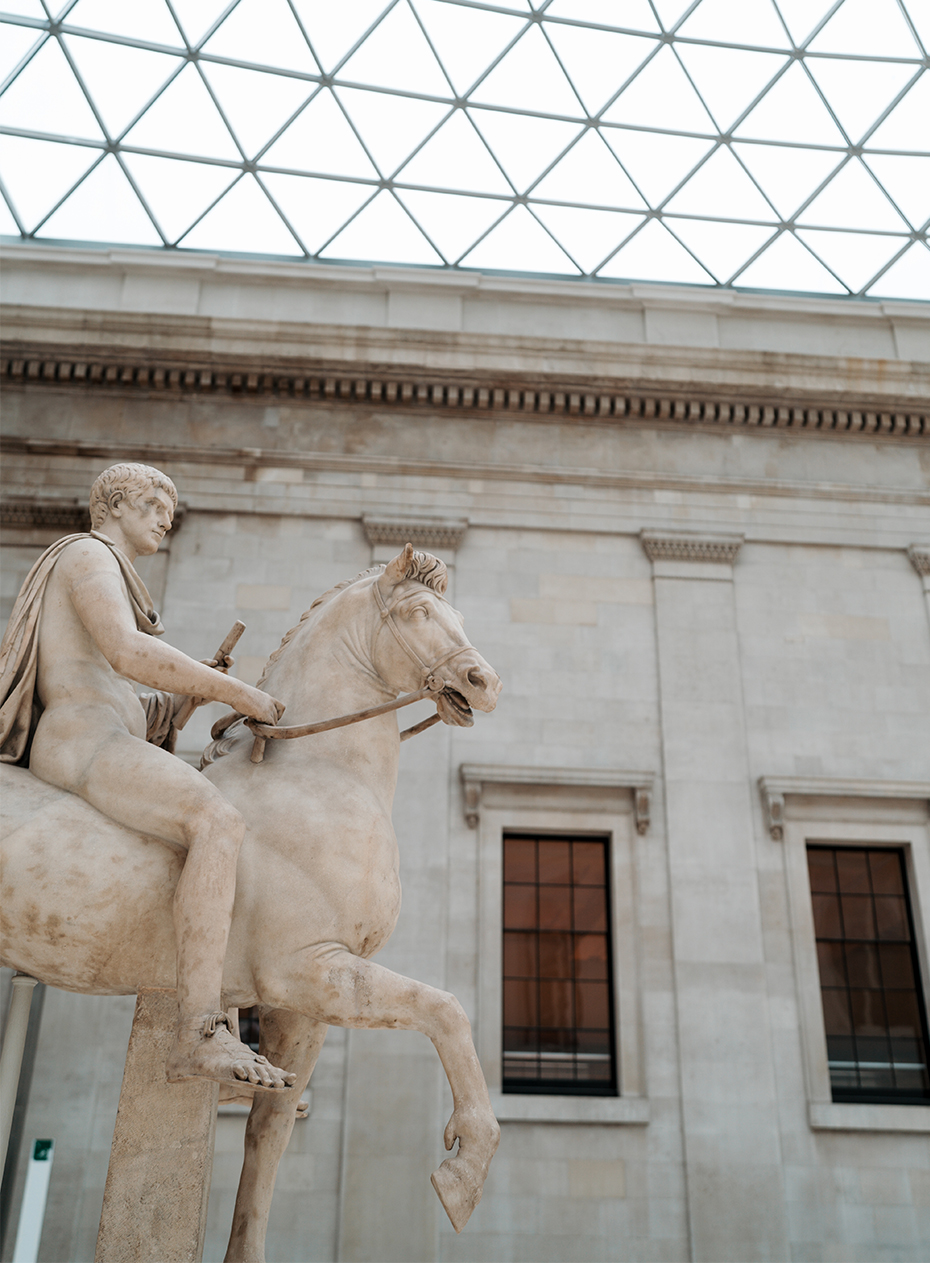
[(433, 685)]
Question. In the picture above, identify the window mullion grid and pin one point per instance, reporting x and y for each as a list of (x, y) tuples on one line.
[(287, 223), (182, 62), (229, 188), (881, 272), (24, 61), (12, 208), (890, 106), (286, 124), (333, 235), (907, 17), (360, 41), (303, 30), (64, 197), (138, 192)]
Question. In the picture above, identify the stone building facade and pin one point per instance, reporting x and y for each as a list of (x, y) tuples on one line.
[(691, 531)]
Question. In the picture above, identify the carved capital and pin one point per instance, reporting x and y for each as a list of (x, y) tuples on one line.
[(919, 555), (439, 533), (691, 546)]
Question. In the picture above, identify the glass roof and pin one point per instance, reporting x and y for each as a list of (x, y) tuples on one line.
[(767, 144)]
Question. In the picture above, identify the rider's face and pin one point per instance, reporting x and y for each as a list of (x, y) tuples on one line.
[(145, 518)]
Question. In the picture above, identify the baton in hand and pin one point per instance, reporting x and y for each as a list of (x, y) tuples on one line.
[(225, 649)]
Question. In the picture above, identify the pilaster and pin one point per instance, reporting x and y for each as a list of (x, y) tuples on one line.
[(732, 1149)]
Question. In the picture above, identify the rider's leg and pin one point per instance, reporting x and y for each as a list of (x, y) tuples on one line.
[(332, 985), (295, 1040), (145, 788)]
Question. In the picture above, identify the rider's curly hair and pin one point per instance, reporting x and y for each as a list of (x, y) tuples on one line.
[(124, 480)]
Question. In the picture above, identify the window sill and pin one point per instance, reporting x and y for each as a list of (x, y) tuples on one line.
[(849, 1116), (631, 1111)]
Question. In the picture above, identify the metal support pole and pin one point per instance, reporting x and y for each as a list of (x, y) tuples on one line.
[(11, 1059)]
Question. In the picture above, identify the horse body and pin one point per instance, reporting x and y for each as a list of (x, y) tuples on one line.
[(88, 904)]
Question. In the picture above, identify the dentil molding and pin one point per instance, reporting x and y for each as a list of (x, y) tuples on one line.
[(691, 546), (443, 533)]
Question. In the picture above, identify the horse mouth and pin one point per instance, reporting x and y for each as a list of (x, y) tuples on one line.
[(454, 709)]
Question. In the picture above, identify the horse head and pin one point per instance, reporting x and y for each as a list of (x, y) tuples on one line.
[(419, 638)]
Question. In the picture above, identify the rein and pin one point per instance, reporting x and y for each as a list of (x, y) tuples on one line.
[(434, 686)]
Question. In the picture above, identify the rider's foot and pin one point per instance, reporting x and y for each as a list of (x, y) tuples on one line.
[(205, 1049)]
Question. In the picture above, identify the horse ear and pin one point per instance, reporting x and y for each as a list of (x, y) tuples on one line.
[(395, 571)]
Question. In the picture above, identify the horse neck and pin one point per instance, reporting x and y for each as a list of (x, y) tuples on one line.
[(325, 668)]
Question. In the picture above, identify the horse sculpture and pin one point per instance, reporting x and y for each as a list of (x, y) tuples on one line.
[(87, 904)]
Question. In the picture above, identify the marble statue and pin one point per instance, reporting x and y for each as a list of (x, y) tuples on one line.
[(89, 900)]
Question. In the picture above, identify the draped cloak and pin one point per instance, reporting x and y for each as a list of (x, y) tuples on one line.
[(20, 707)]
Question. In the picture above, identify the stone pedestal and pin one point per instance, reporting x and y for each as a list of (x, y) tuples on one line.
[(158, 1182)]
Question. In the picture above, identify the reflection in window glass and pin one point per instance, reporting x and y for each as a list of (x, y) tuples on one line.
[(558, 996), (873, 1011)]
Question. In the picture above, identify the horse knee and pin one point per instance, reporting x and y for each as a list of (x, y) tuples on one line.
[(452, 1016)]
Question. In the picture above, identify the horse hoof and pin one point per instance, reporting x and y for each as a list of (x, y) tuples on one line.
[(457, 1191)]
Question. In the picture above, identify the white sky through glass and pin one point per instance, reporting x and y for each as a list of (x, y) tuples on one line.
[(770, 144)]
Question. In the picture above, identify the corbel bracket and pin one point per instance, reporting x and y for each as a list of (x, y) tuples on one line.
[(476, 775)]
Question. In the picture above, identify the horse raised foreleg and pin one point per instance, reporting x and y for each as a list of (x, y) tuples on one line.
[(344, 990), (296, 1040)]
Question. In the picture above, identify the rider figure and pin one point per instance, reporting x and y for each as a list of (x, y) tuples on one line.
[(94, 635)]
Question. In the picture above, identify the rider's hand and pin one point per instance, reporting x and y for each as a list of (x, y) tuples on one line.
[(260, 706)]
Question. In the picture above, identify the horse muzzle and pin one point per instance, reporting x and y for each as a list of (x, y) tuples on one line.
[(473, 683)]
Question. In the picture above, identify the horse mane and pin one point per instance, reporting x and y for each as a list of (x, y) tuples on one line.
[(423, 567)]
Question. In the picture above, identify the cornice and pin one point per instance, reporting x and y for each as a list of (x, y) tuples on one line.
[(690, 546), (70, 516), (446, 534), (476, 775), (775, 789), (95, 369)]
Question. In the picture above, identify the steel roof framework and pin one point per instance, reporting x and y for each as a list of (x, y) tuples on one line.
[(544, 138)]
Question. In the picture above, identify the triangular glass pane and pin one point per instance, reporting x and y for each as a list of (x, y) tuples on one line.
[(655, 255), (656, 162), (102, 208), (867, 27), (802, 16), (906, 125), (243, 221), (28, 103), (588, 236), (722, 248), (791, 110), (455, 158), (661, 94), (589, 172), (391, 126), (854, 256), (120, 79), (37, 173), (632, 15), (736, 22), (454, 223), (334, 28), (598, 62), (519, 244), (907, 180), (786, 265), (382, 233), (670, 11), (148, 20), (177, 192), (28, 8), (858, 91), (397, 55), (530, 78), (316, 208), (320, 139), (908, 278), (787, 175), (852, 199), (7, 223), (919, 13), (722, 188), (184, 120), (263, 32), (728, 79), (16, 43), (197, 16), (466, 40), (255, 103), (523, 145)]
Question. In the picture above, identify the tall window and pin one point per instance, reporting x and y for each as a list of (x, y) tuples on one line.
[(873, 1008), (558, 1007)]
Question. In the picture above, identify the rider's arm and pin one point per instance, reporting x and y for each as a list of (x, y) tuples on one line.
[(98, 594)]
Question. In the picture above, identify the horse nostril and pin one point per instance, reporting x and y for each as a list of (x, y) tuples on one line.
[(476, 678)]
